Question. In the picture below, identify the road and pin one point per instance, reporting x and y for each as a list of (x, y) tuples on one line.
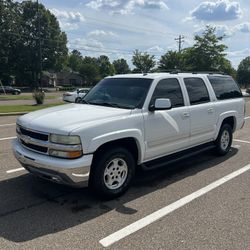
[(162, 210)]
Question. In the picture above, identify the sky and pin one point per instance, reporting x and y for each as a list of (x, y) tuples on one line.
[(118, 27)]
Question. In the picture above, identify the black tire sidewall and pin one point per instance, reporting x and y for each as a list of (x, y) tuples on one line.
[(100, 162), (219, 149)]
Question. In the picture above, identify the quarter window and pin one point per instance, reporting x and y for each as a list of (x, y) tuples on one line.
[(169, 88), (197, 91), (225, 87)]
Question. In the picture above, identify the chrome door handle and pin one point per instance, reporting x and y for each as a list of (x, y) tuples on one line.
[(186, 114), (210, 110)]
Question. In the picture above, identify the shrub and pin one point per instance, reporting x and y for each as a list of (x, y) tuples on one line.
[(39, 96)]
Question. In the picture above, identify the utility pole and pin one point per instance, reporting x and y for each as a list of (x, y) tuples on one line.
[(39, 44), (180, 41)]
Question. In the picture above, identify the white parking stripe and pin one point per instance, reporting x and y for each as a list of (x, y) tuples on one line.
[(248, 117), (8, 124), (7, 138), (134, 227), (248, 142), (15, 170)]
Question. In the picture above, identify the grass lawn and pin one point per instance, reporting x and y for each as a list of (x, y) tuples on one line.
[(24, 108), (23, 97)]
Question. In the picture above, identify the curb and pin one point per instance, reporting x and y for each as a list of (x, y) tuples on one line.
[(13, 113)]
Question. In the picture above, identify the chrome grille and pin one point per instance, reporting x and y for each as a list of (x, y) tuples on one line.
[(33, 140)]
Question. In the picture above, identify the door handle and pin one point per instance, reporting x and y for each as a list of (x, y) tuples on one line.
[(210, 110), (186, 114)]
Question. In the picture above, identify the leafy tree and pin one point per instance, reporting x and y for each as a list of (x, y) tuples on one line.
[(105, 67), (207, 54), (75, 60), (121, 66), (20, 43), (170, 61), (9, 39), (243, 72), (143, 62), (90, 73)]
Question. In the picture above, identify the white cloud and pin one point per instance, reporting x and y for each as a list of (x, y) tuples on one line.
[(68, 20), (243, 27), (101, 33), (155, 49), (86, 44), (125, 7), (239, 53), (220, 30), (220, 10)]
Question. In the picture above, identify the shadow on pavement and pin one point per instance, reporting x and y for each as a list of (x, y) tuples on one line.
[(31, 208)]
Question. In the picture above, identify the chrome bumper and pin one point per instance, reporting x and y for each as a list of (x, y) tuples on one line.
[(69, 172)]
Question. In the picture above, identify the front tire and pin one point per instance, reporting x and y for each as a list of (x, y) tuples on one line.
[(113, 171), (224, 140)]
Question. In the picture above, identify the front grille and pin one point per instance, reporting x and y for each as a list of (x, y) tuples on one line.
[(35, 135), (34, 147)]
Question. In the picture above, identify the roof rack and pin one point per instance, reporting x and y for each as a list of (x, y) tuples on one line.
[(176, 71)]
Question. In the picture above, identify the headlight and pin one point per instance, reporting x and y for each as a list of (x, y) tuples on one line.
[(65, 139)]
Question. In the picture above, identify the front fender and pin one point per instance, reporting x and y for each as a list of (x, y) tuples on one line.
[(122, 134)]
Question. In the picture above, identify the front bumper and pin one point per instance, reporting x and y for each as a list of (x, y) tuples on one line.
[(69, 172)]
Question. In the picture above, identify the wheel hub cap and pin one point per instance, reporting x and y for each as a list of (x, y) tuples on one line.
[(225, 140), (115, 173)]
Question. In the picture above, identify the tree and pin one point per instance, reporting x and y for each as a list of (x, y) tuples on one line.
[(75, 60), (90, 73), (105, 67), (25, 28), (243, 72), (207, 54), (143, 62), (9, 39), (121, 66), (170, 61)]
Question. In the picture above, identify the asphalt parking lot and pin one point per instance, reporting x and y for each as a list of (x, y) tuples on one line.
[(199, 203)]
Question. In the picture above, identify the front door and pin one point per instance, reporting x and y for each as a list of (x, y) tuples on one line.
[(167, 131)]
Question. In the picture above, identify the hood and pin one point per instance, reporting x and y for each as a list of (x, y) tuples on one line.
[(65, 118)]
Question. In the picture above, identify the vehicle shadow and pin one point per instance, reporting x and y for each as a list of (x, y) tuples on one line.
[(31, 208)]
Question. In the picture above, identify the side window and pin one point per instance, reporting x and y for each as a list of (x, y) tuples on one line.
[(169, 88), (225, 87), (197, 90)]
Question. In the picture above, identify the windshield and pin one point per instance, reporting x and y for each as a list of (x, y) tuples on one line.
[(128, 93)]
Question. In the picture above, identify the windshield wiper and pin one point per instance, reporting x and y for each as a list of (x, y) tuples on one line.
[(108, 104), (84, 101)]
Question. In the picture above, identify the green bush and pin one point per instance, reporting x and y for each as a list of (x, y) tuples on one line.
[(38, 96)]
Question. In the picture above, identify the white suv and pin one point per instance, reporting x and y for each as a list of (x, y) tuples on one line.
[(127, 121)]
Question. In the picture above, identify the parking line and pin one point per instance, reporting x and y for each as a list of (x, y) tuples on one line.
[(8, 124), (15, 170), (7, 138), (134, 227), (248, 117), (248, 142)]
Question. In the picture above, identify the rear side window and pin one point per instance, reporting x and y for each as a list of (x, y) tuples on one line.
[(169, 88), (197, 90), (225, 87)]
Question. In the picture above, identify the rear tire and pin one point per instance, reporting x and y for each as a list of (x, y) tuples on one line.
[(113, 171), (78, 99), (224, 140)]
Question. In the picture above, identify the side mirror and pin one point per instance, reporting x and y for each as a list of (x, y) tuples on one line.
[(161, 104)]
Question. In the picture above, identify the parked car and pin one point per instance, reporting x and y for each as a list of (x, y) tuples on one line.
[(75, 96), (9, 90), (128, 121)]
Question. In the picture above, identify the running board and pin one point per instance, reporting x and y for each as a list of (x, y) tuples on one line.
[(170, 159)]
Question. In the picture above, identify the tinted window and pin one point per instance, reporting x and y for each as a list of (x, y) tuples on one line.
[(224, 87), (169, 88), (127, 93), (197, 91)]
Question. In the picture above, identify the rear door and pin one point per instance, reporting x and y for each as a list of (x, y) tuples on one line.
[(167, 131), (202, 111)]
